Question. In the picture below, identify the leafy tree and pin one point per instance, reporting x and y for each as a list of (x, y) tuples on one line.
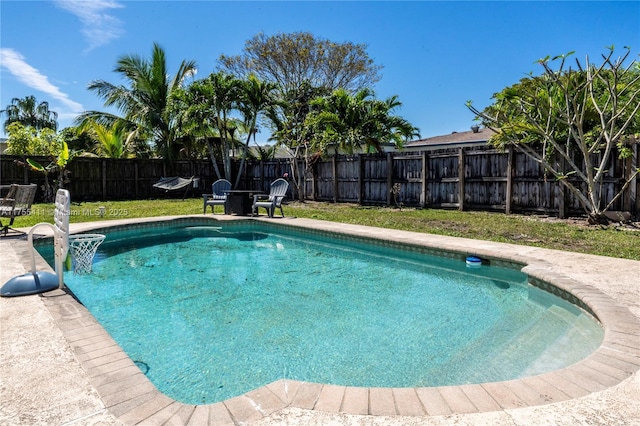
[(302, 67), (29, 112), (288, 116), (143, 103), (27, 141), (574, 114), (349, 122), (77, 139), (300, 58)]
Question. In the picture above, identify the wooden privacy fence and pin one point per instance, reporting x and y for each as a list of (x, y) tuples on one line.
[(462, 178), (465, 179)]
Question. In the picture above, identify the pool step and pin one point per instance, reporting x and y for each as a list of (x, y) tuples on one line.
[(540, 346), (581, 330)]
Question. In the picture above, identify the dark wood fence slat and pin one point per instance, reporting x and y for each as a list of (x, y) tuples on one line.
[(463, 178)]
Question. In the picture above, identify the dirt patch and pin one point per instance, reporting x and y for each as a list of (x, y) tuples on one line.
[(582, 223)]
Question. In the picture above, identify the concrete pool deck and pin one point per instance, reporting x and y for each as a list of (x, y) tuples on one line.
[(60, 367)]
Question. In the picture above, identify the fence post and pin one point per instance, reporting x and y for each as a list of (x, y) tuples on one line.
[(507, 201), (425, 177), (389, 177), (461, 165)]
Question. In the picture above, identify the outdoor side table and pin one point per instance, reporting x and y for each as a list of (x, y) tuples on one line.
[(240, 201)]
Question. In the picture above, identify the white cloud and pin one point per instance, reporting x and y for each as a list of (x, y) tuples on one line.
[(15, 63), (98, 27)]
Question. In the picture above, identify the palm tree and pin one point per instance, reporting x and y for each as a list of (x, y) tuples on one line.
[(144, 102), (30, 113), (349, 122), (111, 141), (203, 111), (255, 97)]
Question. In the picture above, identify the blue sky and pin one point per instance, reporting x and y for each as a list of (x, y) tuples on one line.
[(436, 55)]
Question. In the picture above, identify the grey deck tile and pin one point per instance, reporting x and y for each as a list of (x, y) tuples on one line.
[(433, 402), (547, 391), (330, 399), (457, 400), (629, 342), (117, 375), (95, 346), (381, 402), (91, 340), (266, 401), (182, 416), (480, 398), (105, 359), (116, 365), (218, 416), (623, 361), (200, 416), (131, 404), (355, 401), (76, 324), (163, 415), (608, 369), (407, 402), (594, 374), (84, 356), (565, 385), (307, 395), (503, 395), (530, 395), (285, 389), (145, 410), (581, 380), (90, 331), (114, 396), (242, 409)]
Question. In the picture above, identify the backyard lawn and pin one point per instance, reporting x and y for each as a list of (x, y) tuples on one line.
[(539, 231)]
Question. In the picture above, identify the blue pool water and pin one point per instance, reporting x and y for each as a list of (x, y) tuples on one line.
[(211, 313)]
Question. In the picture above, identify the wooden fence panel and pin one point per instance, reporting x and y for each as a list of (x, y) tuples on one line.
[(374, 179), (407, 171), (86, 179), (427, 179), (348, 171)]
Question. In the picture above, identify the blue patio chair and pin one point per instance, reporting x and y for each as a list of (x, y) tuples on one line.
[(218, 197), (272, 201)]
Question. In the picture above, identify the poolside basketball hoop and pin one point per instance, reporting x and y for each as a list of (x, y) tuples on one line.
[(83, 248)]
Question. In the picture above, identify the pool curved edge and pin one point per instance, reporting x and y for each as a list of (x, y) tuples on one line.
[(132, 398)]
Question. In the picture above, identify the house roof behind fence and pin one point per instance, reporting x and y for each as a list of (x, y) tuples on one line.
[(455, 139)]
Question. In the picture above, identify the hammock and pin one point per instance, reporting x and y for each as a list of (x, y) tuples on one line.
[(173, 184)]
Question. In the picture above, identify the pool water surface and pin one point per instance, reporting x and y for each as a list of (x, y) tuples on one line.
[(210, 313)]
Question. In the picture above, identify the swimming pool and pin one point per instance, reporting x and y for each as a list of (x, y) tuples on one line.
[(391, 329)]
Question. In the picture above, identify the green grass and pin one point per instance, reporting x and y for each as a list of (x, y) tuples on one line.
[(517, 229)]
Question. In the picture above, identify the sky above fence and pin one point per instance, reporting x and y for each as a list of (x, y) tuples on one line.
[(436, 55)]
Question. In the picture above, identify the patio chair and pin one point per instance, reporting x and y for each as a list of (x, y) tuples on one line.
[(17, 203), (218, 197), (272, 201)]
